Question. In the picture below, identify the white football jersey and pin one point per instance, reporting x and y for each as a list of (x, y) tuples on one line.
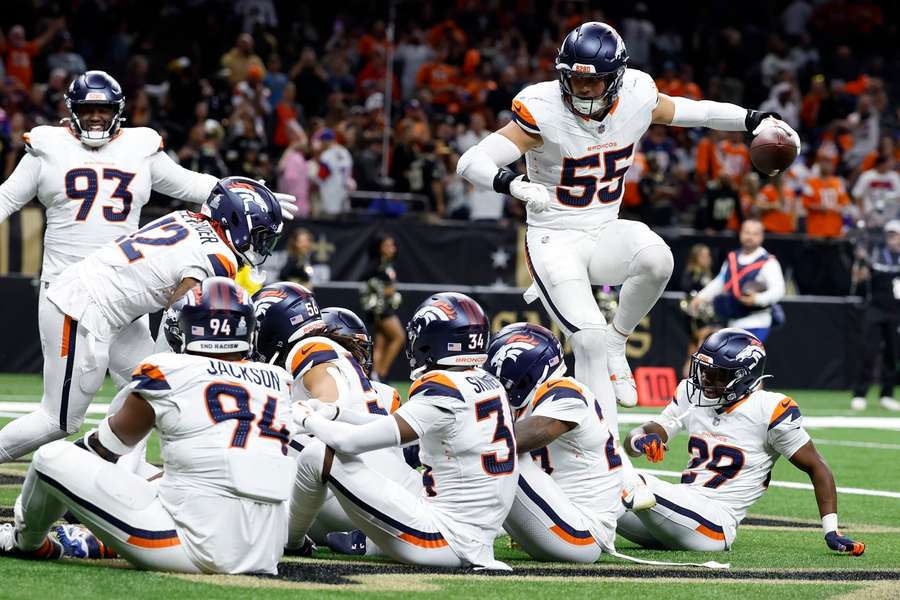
[(733, 449), (355, 392), (583, 461), (582, 161), (136, 274), (469, 455), (224, 428), (93, 195)]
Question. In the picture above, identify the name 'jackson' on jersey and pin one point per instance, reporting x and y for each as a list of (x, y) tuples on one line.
[(582, 162), (136, 274)]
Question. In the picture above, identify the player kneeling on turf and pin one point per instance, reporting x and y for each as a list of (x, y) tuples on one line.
[(224, 425), (566, 508), (460, 416), (737, 433)]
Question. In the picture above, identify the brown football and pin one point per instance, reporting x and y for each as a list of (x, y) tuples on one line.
[(773, 151)]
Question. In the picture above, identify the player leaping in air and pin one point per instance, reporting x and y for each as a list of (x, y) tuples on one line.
[(737, 432), (579, 136)]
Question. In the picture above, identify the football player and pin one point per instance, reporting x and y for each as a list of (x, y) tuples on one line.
[(567, 499), (579, 136), (94, 176), (737, 432), (459, 415), (326, 363), (92, 303), (224, 424)]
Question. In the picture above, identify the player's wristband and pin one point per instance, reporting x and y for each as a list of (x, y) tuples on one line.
[(829, 523), (502, 180), (110, 441)]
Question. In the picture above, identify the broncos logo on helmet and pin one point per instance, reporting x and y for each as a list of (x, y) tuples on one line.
[(523, 356), (438, 311), (513, 348), (752, 354)]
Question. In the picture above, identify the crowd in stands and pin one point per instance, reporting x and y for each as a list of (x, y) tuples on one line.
[(295, 93)]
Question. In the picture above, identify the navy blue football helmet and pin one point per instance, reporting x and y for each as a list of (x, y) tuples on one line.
[(286, 312), (729, 364), (447, 329), (217, 319), (249, 214), (523, 356), (593, 50), (93, 88), (345, 322)]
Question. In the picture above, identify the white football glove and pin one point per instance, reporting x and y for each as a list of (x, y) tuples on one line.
[(534, 195), (299, 412), (773, 122), (329, 410), (288, 203)]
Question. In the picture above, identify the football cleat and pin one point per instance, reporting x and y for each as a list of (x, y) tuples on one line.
[(79, 542), (347, 542), (622, 380), (638, 497), (858, 403), (888, 403), (51, 549), (306, 549)]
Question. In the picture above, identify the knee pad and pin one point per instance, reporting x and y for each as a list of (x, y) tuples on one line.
[(589, 342), (654, 261)]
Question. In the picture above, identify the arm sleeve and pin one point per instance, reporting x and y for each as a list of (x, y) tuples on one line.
[(174, 180), (424, 417), (20, 186), (479, 164), (355, 439), (774, 279), (706, 113)]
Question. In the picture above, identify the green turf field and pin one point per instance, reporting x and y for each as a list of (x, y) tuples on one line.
[(779, 550)]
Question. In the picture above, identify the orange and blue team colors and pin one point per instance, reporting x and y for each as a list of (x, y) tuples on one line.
[(523, 117), (222, 265), (786, 408), (149, 377), (435, 384), (557, 388), (310, 355)]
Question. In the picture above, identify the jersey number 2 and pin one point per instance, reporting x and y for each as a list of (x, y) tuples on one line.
[(489, 461), (127, 244), (726, 462), (83, 184), (569, 180)]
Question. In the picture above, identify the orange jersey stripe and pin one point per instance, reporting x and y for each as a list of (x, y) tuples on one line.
[(783, 406), (432, 378), (395, 402), (736, 404), (150, 371), (713, 535), (554, 384), (148, 543), (523, 113), (308, 349), (571, 539), (406, 537), (229, 266)]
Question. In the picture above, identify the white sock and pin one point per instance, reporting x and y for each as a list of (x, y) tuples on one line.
[(615, 341)]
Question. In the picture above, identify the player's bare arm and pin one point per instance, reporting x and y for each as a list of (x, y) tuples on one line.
[(536, 432), (320, 383), (808, 460), (118, 434), (186, 284), (649, 439)]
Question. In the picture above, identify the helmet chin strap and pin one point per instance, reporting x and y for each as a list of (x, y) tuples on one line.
[(585, 106)]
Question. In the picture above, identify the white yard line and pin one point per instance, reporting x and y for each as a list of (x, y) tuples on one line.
[(852, 444), (888, 423), (796, 486)]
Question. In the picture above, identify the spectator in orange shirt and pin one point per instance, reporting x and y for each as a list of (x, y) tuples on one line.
[(825, 199), (777, 205), (18, 52), (439, 78)]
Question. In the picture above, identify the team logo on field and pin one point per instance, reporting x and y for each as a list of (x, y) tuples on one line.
[(753, 353)]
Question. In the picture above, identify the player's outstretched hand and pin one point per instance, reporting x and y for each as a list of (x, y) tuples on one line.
[(651, 446), (839, 543), (288, 203), (534, 195)]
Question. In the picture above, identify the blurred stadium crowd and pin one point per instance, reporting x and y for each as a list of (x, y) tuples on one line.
[(295, 93)]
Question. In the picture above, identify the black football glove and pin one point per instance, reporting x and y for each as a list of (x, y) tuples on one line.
[(755, 117)]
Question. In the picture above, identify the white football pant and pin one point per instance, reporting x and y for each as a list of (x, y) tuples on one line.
[(548, 526), (564, 263), (395, 519), (681, 520), (120, 508)]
